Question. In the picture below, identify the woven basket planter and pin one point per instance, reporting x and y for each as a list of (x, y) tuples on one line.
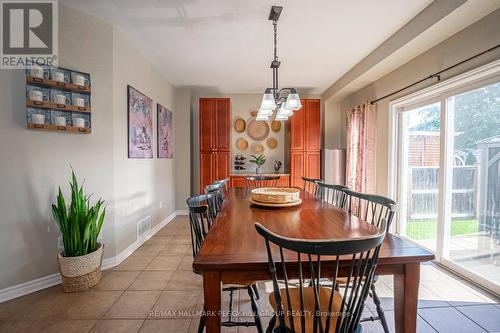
[(81, 273)]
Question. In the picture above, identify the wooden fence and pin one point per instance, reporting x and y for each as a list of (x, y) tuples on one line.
[(424, 187)]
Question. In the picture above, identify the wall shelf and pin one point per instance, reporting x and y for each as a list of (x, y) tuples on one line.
[(49, 127), (60, 107), (59, 85), (40, 84)]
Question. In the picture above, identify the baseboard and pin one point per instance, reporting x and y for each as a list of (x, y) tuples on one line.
[(181, 212), (54, 279), (29, 287)]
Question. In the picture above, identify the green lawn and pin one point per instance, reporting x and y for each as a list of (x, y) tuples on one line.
[(427, 229)]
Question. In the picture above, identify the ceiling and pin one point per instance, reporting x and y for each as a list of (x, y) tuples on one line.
[(227, 45)]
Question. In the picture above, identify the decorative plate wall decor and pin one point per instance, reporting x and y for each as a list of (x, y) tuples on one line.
[(257, 148), (272, 143), (240, 125), (276, 126), (241, 144), (253, 112), (258, 130)]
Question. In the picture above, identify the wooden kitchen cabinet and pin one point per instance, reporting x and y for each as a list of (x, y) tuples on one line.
[(215, 139), (238, 180), (303, 141)]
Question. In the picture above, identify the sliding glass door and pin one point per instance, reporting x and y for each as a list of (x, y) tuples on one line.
[(419, 173), (473, 208), (446, 174)]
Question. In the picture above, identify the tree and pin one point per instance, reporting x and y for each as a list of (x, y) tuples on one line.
[(476, 116)]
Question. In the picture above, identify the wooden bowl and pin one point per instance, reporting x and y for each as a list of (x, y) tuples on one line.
[(276, 126), (258, 130), (275, 195), (240, 125), (241, 144), (257, 148), (272, 143)]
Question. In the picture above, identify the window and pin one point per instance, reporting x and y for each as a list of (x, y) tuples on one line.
[(446, 172)]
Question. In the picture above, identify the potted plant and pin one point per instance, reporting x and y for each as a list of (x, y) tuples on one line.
[(80, 225), (258, 160)]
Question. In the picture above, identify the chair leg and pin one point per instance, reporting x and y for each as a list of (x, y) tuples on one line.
[(380, 311), (272, 322), (201, 324), (255, 310), (256, 291)]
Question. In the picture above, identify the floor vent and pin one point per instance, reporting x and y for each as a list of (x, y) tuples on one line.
[(143, 226)]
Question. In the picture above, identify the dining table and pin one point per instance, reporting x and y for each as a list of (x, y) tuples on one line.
[(233, 251)]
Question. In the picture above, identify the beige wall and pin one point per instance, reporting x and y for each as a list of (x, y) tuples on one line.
[(478, 37), (182, 146), (142, 187), (34, 163), (240, 108)]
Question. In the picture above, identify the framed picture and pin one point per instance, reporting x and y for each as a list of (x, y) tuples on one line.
[(140, 124), (165, 132)]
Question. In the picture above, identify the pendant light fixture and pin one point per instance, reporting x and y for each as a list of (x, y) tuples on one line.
[(286, 100)]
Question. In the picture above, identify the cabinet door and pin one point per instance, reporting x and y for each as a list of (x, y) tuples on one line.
[(297, 168), (312, 124), (207, 167), (221, 170), (237, 181), (313, 164), (284, 181), (297, 133), (207, 124), (223, 123)]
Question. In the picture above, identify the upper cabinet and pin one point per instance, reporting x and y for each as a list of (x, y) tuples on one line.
[(223, 123), (303, 142), (215, 139), (312, 121)]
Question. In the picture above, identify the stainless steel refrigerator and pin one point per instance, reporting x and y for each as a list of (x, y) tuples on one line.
[(334, 171)]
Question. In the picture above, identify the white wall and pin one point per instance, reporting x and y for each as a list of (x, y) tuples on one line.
[(478, 37), (34, 163)]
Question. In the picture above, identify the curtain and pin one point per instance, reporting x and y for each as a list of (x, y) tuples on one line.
[(361, 141)]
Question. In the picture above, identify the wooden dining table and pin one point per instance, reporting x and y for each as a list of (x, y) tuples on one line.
[(233, 251)]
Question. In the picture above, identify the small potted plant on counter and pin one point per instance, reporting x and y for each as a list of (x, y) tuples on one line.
[(259, 161), (80, 225)]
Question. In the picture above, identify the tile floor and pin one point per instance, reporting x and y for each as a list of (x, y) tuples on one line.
[(154, 290)]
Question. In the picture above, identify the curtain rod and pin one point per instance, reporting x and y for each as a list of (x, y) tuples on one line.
[(435, 75)]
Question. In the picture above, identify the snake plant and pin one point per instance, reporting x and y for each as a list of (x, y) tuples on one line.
[(81, 223), (258, 160)]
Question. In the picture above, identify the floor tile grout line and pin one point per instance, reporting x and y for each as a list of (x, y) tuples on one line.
[(435, 329), (466, 316)]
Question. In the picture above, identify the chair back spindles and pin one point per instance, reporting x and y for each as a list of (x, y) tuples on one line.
[(332, 193), (307, 306), (217, 190), (310, 185), (371, 208), (201, 218), (253, 182), (223, 183)]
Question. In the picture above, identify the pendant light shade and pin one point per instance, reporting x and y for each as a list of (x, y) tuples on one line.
[(261, 117), (283, 113), (268, 102), (293, 100)]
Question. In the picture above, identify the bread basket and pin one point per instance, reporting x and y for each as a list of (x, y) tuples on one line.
[(276, 195)]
